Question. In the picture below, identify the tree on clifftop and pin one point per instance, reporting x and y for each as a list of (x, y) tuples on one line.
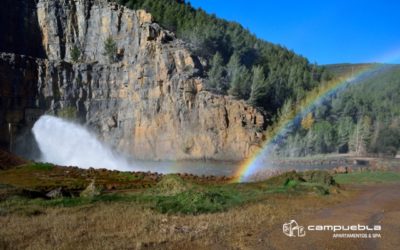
[(216, 74), (258, 87)]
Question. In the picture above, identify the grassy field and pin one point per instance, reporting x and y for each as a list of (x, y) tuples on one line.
[(141, 210), (29, 186), (126, 225), (122, 210), (368, 177)]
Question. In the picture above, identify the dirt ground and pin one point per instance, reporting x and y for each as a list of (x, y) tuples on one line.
[(377, 204), (8, 160)]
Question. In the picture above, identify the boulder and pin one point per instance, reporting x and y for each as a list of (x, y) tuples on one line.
[(91, 191), (55, 193), (340, 170)]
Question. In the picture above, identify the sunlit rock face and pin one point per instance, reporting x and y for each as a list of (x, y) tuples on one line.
[(150, 103)]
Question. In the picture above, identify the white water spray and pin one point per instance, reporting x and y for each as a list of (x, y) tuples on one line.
[(69, 144)]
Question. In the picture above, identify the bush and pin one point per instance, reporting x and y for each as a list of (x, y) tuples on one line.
[(319, 177), (110, 49), (171, 184), (196, 202), (75, 53), (285, 179)]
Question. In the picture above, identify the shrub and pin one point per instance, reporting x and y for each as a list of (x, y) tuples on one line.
[(285, 179), (75, 53), (196, 202), (171, 184), (110, 49), (68, 112), (319, 177)]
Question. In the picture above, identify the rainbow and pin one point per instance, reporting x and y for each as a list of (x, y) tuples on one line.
[(279, 132)]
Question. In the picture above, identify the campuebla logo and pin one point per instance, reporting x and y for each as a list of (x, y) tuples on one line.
[(292, 229)]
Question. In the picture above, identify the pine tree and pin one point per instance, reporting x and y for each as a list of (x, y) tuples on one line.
[(361, 136), (286, 111), (309, 142), (378, 125), (110, 49), (245, 87), (233, 66), (345, 128), (240, 83), (324, 137), (258, 87), (232, 69), (216, 74), (366, 134)]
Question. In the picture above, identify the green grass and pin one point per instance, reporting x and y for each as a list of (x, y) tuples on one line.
[(210, 199), (196, 202), (126, 176), (367, 177), (291, 183), (39, 166)]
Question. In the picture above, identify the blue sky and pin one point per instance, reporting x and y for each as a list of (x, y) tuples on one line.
[(324, 31)]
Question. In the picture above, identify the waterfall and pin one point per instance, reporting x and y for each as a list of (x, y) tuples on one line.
[(69, 144)]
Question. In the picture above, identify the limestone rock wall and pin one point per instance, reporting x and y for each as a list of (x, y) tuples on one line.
[(150, 103)]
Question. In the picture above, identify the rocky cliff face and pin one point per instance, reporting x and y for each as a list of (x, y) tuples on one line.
[(149, 103)]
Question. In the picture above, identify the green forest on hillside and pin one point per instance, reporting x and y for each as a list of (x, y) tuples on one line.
[(239, 64), (363, 119)]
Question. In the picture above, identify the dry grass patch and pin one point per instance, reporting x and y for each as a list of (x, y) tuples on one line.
[(130, 226)]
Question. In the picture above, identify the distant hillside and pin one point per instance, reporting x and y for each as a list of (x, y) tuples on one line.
[(363, 119), (342, 69)]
